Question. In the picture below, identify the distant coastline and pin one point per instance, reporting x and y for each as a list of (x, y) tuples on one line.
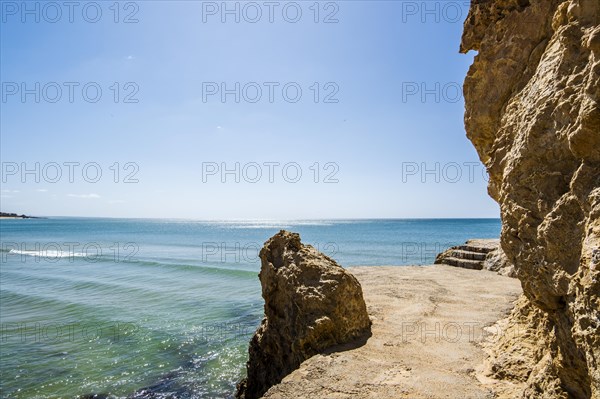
[(4, 215)]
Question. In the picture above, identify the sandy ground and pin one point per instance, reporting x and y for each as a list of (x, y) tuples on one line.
[(429, 323)]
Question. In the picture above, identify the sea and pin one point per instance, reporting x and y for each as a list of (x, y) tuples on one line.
[(164, 308)]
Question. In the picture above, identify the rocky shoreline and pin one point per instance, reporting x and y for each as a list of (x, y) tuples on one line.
[(4, 215), (417, 332), (430, 328), (532, 99)]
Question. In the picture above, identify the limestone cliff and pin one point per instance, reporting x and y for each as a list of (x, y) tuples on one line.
[(532, 113), (311, 304)]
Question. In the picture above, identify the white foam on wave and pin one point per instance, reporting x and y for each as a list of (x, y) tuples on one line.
[(48, 253)]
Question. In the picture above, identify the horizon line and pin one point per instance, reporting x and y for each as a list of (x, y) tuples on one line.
[(261, 219)]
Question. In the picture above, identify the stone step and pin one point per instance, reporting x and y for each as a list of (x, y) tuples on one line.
[(464, 263), (462, 254), (473, 248)]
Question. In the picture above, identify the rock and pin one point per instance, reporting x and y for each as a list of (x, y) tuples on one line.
[(311, 304), (442, 256), (478, 254), (16, 216), (497, 261), (533, 114), (511, 361)]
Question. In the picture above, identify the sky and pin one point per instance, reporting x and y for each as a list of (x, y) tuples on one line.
[(237, 110)]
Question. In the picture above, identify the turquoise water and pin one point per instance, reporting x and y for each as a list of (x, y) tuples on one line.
[(163, 308)]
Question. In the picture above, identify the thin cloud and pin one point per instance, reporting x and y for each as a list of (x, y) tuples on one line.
[(41, 190), (84, 196)]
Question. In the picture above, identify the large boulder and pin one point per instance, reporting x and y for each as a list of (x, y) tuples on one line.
[(533, 114), (311, 304)]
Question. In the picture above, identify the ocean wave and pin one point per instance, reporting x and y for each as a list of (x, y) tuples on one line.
[(46, 253), (232, 269)]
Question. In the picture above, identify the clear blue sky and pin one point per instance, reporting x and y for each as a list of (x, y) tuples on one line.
[(374, 138)]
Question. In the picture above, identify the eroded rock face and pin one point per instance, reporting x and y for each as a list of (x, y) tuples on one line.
[(311, 304), (497, 261), (532, 113)]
